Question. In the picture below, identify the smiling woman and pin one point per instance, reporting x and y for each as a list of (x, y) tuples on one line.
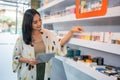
[(37, 22), (36, 40)]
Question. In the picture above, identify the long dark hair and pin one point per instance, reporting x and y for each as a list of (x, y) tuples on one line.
[(27, 25)]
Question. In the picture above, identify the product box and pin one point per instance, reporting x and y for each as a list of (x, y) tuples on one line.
[(107, 37), (97, 36), (115, 38)]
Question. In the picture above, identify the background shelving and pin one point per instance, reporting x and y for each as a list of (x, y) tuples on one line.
[(50, 5), (56, 5), (69, 65), (111, 48), (108, 23), (111, 13)]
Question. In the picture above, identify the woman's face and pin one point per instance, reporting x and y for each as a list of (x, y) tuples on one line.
[(37, 22)]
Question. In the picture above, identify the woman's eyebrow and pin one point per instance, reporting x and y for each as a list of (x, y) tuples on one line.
[(34, 20)]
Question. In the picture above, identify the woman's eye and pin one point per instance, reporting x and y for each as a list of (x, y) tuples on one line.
[(34, 22)]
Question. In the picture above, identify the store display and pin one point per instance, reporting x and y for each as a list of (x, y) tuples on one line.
[(106, 37), (75, 58), (115, 38), (90, 8), (100, 61), (45, 2), (85, 57), (94, 59), (73, 53), (70, 53), (77, 52), (100, 69), (60, 18), (110, 72), (88, 61)]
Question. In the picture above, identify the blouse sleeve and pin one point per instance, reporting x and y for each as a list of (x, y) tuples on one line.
[(17, 54), (60, 50)]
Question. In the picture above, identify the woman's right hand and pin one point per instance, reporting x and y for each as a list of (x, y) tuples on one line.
[(33, 61), (29, 60)]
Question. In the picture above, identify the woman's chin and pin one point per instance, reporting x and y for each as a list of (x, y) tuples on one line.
[(39, 29)]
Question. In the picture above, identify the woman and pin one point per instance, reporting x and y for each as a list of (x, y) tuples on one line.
[(33, 41)]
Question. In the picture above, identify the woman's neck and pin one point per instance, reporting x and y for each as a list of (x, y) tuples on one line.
[(36, 36), (35, 32)]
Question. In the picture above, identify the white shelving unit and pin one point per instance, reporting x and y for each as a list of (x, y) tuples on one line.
[(84, 67), (111, 13), (53, 3), (107, 47)]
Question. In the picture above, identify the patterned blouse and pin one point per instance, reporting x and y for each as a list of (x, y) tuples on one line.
[(26, 71)]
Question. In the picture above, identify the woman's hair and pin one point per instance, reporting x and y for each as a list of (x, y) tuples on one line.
[(27, 25)]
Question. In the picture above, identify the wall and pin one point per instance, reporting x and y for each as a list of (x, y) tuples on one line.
[(7, 42)]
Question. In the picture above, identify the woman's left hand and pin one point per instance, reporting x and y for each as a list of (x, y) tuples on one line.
[(77, 29)]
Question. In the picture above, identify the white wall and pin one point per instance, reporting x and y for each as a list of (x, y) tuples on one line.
[(7, 42)]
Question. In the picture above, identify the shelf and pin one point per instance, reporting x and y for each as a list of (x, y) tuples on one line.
[(107, 47), (61, 19), (51, 4), (83, 67), (56, 5), (111, 13)]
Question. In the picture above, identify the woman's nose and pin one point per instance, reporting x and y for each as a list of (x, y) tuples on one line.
[(39, 23)]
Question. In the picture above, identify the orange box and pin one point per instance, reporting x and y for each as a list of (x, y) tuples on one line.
[(85, 9)]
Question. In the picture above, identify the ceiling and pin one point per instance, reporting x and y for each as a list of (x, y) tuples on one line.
[(12, 4), (17, 1)]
